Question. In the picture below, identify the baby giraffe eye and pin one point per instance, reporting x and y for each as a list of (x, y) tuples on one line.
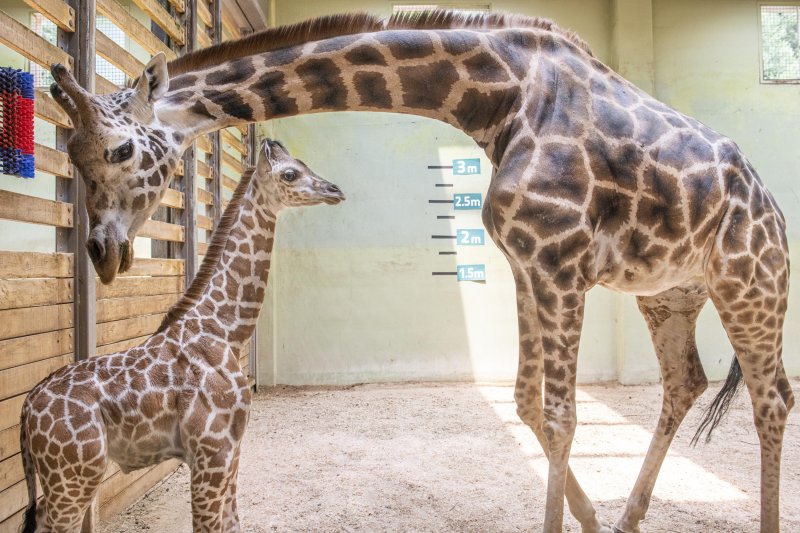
[(121, 153), (289, 175)]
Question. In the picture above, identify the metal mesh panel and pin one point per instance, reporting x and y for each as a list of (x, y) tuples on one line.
[(780, 43), (103, 67), (46, 29)]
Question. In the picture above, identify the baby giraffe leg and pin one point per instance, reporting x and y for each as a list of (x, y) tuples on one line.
[(212, 471), (230, 515), (671, 317)]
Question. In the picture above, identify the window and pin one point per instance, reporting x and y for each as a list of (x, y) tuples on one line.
[(468, 9), (780, 44)]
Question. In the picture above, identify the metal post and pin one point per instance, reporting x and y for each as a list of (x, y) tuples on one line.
[(187, 185), (80, 45), (216, 139)]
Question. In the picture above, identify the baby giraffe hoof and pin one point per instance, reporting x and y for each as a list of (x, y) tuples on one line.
[(600, 526), (626, 530)]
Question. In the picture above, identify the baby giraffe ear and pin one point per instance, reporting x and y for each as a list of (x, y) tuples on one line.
[(154, 81), (265, 160)]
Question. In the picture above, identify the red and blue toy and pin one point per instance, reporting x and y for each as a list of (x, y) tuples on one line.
[(16, 122)]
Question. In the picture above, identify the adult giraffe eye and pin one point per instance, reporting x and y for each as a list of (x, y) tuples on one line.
[(289, 175), (121, 153)]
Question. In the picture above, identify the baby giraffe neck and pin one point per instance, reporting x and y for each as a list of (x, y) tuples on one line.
[(225, 298)]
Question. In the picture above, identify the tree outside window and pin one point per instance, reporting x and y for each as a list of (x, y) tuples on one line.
[(780, 44)]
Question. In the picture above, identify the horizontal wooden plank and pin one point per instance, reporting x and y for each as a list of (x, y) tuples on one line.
[(204, 13), (19, 379), (233, 162), (24, 208), (204, 170), (24, 350), (33, 320), (143, 286), (204, 197), (120, 346), (117, 55), (229, 139), (165, 21), (179, 5), (12, 506), (11, 471), (228, 22), (28, 44), (120, 308), (48, 110), (52, 161), (164, 231), (104, 86), (173, 198), (35, 265), (156, 267), (204, 143), (16, 293), (204, 222), (10, 408), (57, 11), (203, 39), (9, 441), (129, 328), (228, 183), (134, 491), (133, 28), (202, 248)]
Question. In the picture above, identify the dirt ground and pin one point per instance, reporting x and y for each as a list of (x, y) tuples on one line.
[(454, 457)]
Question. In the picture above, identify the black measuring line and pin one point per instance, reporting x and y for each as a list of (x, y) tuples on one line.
[(444, 236), (440, 201), (446, 217), (444, 185), (448, 253), (444, 273), (439, 167)]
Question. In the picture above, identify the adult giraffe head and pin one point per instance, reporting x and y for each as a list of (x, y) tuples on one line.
[(125, 156)]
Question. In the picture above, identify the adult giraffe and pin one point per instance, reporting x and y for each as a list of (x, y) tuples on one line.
[(595, 182)]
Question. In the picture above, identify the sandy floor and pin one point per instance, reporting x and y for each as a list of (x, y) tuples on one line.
[(455, 457)]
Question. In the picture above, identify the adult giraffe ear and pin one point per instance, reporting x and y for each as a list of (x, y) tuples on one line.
[(154, 81)]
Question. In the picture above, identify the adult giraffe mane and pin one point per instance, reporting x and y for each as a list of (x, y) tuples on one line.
[(212, 257), (328, 26)]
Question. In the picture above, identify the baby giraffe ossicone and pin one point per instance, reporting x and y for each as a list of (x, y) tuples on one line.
[(181, 394)]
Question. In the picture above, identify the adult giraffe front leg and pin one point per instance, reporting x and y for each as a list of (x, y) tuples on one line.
[(212, 474), (671, 317), (528, 396)]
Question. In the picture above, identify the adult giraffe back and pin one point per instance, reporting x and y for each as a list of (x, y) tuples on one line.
[(595, 183)]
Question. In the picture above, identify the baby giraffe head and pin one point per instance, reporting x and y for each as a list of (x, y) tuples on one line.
[(288, 182), (126, 158)]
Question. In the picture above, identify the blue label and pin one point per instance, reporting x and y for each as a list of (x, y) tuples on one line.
[(471, 272), (470, 237), (466, 167), (470, 200)]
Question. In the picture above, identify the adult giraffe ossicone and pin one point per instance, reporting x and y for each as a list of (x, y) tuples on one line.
[(180, 394), (595, 183)]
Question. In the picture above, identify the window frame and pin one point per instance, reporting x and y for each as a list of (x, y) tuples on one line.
[(759, 18)]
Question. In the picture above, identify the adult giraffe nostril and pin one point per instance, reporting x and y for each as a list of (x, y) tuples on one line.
[(96, 250)]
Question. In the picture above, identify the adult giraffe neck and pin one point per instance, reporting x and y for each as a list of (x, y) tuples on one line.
[(470, 79), (227, 293)]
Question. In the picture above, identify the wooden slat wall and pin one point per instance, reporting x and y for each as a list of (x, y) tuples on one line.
[(37, 308)]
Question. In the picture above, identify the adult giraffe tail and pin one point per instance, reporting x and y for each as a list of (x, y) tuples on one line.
[(722, 402), (29, 468)]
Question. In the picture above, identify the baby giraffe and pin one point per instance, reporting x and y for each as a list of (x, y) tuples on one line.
[(181, 394)]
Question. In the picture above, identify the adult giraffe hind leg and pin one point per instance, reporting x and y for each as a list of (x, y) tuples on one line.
[(748, 275), (671, 317), (528, 396)]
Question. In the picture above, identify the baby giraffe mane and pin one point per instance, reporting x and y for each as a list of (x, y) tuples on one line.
[(212, 257), (328, 26)]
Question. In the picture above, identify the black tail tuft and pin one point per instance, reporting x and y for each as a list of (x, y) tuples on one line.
[(722, 402), (30, 518)]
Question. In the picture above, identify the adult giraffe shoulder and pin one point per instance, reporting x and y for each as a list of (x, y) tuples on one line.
[(180, 394), (595, 183)]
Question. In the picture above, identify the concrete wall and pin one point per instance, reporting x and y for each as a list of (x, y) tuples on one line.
[(351, 295)]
